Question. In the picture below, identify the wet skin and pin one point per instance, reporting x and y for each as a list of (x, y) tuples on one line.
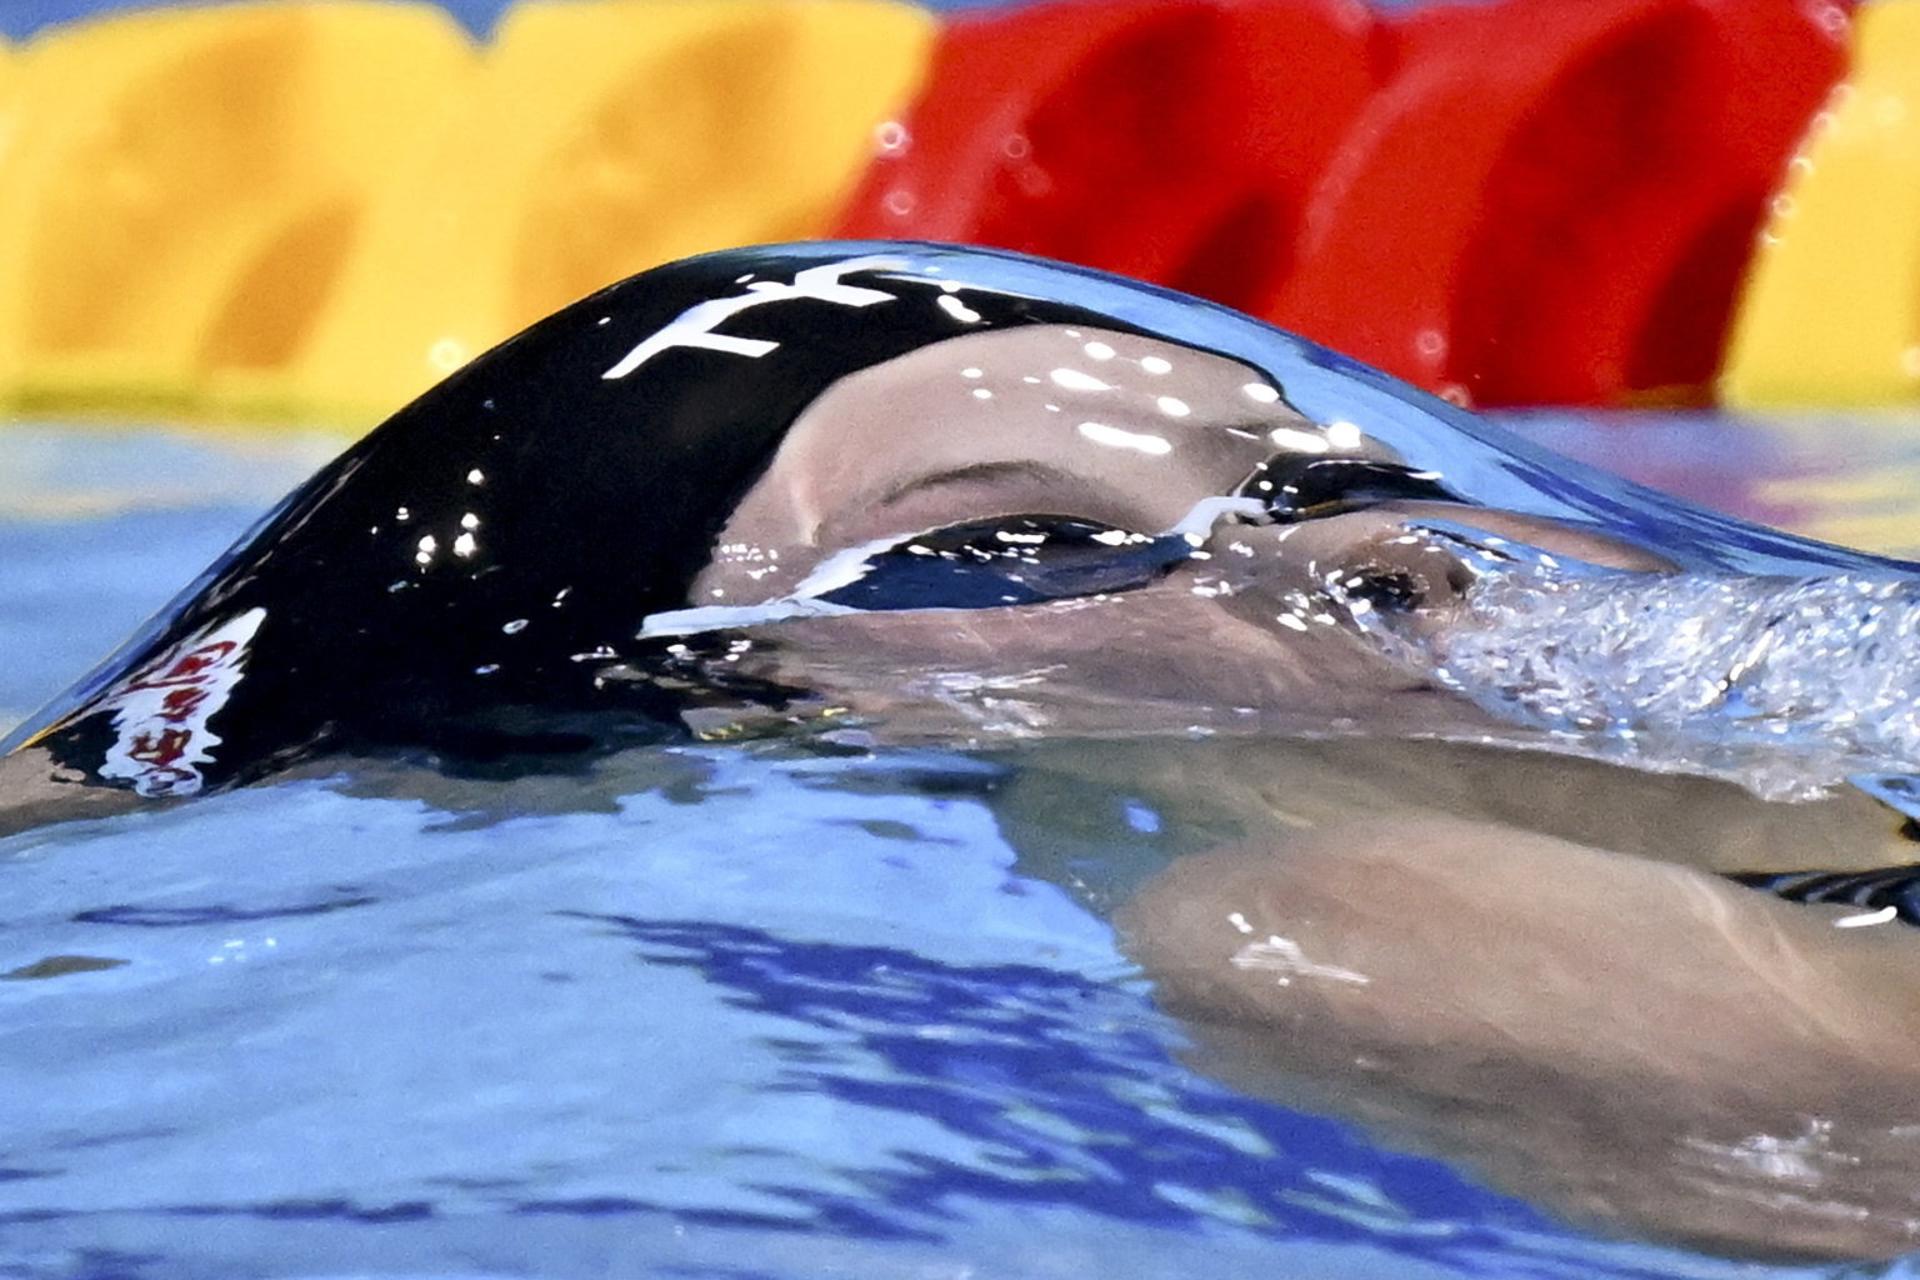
[(1522, 962), (1528, 962)]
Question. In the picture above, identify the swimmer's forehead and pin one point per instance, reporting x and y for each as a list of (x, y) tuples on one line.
[(1072, 420), (1070, 371)]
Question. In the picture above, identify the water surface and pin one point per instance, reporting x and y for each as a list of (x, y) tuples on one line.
[(777, 1010)]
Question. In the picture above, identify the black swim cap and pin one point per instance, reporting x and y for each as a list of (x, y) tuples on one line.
[(465, 578)]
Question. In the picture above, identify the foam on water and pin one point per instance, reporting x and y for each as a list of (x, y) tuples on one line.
[(1787, 685)]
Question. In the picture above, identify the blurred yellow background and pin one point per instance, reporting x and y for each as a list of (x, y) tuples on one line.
[(294, 212)]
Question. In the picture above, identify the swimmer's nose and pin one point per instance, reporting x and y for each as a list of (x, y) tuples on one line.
[(1373, 555), (1401, 570)]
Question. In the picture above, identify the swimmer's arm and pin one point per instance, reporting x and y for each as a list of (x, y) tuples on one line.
[(1595, 1031), (35, 791)]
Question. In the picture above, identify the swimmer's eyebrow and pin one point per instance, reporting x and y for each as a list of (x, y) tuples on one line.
[(974, 473)]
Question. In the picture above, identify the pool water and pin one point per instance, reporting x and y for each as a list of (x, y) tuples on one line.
[(722, 1013)]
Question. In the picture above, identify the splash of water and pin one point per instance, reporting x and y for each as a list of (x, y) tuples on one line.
[(1786, 685)]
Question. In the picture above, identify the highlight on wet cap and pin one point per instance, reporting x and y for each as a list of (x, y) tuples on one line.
[(471, 578)]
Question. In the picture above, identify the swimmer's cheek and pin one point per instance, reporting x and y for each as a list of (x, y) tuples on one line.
[(1158, 646)]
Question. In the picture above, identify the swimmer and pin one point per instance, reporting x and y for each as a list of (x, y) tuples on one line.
[(958, 496)]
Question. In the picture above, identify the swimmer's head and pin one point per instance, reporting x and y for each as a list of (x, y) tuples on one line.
[(694, 487)]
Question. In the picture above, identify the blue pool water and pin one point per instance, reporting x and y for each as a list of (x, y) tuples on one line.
[(714, 1013)]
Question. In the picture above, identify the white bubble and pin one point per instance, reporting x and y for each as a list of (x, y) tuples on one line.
[(957, 309), (447, 354)]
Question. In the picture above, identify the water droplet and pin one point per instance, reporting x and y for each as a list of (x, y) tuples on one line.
[(447, 354)]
